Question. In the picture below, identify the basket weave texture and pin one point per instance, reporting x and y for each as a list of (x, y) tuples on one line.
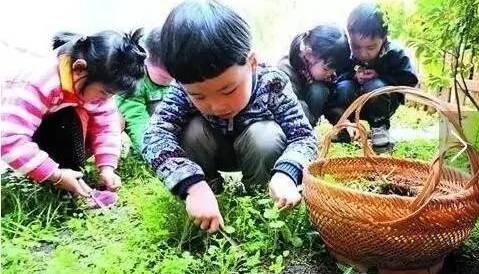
[(392, 231)]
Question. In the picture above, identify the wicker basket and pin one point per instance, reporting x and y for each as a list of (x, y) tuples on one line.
[(392, 231)]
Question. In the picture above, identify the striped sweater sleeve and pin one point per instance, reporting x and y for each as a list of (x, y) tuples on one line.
[(104, 133), (23, 106)]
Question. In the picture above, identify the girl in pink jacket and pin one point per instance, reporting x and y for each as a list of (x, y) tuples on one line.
[(50, 118)]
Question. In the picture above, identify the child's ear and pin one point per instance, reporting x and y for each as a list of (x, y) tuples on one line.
[(308, 54), (253, 61), (79, 67)]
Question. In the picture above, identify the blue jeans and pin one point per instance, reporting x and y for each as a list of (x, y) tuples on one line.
[(321, 99)]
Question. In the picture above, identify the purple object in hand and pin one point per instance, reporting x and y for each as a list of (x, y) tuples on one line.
[(105, 198)]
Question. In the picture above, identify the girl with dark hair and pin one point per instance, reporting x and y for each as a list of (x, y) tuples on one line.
[(51, 115), (314, 58)]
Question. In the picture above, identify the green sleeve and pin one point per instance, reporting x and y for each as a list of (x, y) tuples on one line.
[(133, 109)]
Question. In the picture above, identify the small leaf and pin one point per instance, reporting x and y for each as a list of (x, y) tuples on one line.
[(271, 213), (276, 224), (229, 229), (297, 242), (264, 201)]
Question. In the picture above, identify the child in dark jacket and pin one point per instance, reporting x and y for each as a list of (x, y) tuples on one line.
[(376, 62), (311, 65), (226, 114)]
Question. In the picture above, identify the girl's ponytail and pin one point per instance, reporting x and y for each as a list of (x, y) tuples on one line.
[(62, 38)]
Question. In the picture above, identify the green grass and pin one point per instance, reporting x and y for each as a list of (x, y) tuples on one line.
[(148, 232), (413, 117), (44, 231)]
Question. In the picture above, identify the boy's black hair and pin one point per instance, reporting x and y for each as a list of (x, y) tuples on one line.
[(367, 20), (113, 59), (201, 39), (327, 42)]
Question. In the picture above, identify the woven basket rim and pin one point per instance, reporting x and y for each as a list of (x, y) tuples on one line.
[(382, 157), (359, 193)]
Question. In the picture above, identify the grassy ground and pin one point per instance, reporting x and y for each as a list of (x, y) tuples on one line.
[(43, 231)]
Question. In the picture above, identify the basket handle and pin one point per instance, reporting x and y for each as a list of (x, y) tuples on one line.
[(363, 138), (418, 96), (423, 198)]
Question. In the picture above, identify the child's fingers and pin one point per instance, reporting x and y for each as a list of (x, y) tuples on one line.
[(117, 182), (214, 225), (281, 202), (297, 200), (114, 183), (76, 174), (205, 224), (80, 191), (290, 204), (197, 221), (221, 221), (86, 188)]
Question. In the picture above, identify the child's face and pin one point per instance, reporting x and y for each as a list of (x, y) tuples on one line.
[(227, 94), (95, 92), (91, 92), (158, 74), (318, 68), (365, 49)]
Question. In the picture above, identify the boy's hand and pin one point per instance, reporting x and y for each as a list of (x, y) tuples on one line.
[(364, 75), (283, 191), (353, 133), (67, 179), (109, 178), (202, 206)]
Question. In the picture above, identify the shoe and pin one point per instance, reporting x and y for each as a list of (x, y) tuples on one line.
[(216, 184), (341, 137), (380, 136)]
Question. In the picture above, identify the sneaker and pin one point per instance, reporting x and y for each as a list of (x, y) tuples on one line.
[(380, 136)]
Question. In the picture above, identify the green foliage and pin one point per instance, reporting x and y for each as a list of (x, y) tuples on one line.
[(471, 128), (414, 118), (435, 29), (44, 232), (148, 232)]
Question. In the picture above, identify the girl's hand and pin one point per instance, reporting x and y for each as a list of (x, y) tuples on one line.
[(283, 191), (109, 178), (68, 180), (202, 206)]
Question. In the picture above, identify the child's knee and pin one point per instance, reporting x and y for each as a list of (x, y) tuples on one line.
[(345, 93), (373, 85), (195, 132), (262, 140), (318, 93)]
